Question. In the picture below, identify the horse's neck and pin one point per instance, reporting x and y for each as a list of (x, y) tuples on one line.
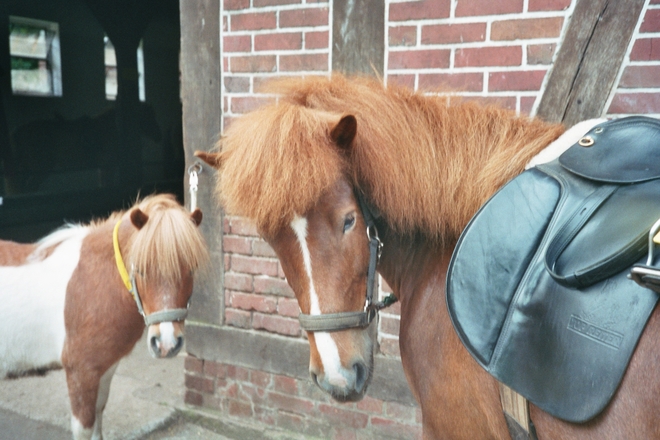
[(410, 263), (437, 366)]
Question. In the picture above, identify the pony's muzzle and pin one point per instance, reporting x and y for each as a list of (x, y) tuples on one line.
[(165, 341)]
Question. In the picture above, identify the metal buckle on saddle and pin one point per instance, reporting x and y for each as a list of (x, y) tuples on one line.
[(647, 275)]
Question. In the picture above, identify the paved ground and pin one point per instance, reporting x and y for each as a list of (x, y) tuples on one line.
[(146, 403)]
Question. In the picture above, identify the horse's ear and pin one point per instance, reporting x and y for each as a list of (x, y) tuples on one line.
[(212, 159), (344, 132), (139, 218), (196, 216)]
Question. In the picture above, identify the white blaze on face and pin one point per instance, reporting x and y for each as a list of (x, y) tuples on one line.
[(324, 342)]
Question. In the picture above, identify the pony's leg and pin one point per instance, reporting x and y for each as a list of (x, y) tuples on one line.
[(88, 398), (102, 399)]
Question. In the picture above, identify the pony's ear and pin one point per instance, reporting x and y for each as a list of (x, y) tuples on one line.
[(344, 132), (138, 218), (196, 216), (212, 159)]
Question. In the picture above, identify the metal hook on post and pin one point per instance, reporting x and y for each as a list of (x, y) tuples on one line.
[(193, 183)]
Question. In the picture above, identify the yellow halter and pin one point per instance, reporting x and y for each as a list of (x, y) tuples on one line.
[(129, 281), (121, 267)]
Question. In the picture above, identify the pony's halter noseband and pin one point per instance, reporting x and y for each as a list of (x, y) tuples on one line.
[(129, 281), (332, 322)]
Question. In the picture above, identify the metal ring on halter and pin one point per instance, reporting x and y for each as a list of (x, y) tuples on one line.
[(375, 237)]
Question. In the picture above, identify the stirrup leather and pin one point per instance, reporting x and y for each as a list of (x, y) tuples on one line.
[(647, 275)]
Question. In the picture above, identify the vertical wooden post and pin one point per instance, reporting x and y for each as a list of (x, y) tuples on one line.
[(589, 60), (358, 36), (201, 87)]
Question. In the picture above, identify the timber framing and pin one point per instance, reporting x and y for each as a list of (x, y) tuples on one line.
[(358, 36), (201, 96), (589, 60)]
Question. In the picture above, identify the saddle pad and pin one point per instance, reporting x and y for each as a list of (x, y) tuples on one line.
[(537, 287)]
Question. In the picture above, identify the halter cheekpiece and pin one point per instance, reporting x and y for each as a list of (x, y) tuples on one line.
[(332, 322), (129, 281)]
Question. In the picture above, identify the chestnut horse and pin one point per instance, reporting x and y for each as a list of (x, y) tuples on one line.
[(425, 164), (66, 299)]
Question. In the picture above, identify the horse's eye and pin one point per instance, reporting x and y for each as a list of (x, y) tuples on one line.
[(349, 222)]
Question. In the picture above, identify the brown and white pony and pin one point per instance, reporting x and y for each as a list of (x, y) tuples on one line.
[(426, 164), (64, 303)]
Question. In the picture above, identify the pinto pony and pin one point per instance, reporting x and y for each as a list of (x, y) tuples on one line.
[(297, 168), (65, 300)]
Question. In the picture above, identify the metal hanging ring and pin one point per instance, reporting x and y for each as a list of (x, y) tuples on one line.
[(586, 141), (195, 168)]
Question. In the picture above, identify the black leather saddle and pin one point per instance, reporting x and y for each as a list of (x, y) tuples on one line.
[(538, 287)]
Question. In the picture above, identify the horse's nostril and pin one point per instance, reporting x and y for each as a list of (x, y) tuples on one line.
[(360, 376), (179, 344), (153, 342)]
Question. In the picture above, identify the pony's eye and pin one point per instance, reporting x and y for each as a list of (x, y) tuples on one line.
[(349, 222)]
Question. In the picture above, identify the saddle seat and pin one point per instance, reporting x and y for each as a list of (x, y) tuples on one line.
[(538, 287)]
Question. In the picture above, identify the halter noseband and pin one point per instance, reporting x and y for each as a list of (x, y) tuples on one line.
[(129, 281), (332, 322)]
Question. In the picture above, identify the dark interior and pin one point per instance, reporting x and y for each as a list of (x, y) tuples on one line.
[(77, 141)]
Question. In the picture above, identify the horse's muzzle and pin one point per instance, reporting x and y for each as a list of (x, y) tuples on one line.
[(352, 385)]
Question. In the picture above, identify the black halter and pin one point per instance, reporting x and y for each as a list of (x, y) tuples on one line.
[(331, 322)]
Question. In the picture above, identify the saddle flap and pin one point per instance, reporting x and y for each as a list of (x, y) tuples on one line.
[(490, 261), (563, 348), (618, 151)]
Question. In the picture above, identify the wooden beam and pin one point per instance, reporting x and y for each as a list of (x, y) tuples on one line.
[(358, 36), (589, 59), (201, 96)]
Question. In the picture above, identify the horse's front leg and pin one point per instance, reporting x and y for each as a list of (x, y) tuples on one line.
[(88, 394), (102, 399)]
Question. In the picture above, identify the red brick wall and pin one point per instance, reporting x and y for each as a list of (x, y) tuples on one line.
[(294, 405), (495, 51), (498, 52), (638, 90)]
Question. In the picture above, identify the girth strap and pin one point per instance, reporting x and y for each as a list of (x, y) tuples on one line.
[(516, 413)]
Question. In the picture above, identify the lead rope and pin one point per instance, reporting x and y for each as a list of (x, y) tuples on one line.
[(193, 183)]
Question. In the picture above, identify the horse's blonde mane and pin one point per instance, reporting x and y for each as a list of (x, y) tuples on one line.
[(168, 243), (427, 164)]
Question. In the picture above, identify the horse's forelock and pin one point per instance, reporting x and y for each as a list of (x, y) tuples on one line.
[(168, 243), (276, 163)]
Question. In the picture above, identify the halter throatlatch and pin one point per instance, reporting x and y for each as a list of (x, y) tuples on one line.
[(332, 322), (129, 281)]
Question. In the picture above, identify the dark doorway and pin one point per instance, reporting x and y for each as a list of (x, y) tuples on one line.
[(90, 109)]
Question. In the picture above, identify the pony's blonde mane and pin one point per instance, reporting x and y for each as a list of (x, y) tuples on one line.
[(427, 164), (169, 243)]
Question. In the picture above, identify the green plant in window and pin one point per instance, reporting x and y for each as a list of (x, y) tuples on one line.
[(18, 63)]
